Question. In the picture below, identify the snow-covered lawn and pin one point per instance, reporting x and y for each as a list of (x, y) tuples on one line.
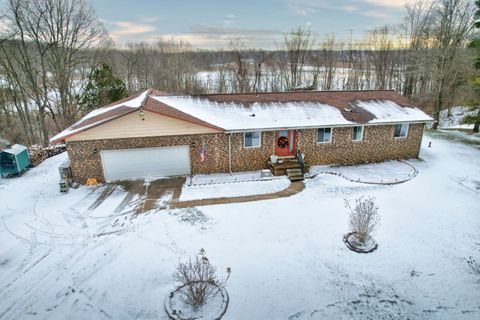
[(233, 189), (72, 257), (381, 173)]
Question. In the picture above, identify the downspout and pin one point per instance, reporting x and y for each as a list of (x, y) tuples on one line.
[(230, 153), (421, 139)]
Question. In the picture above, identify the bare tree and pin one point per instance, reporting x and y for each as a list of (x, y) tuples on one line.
[(380, 45), (417, 28), (364, 217), (329, 64), (241, 65), (453, 22), (167, 65), (297, 45), (198, 280), (44, 52)]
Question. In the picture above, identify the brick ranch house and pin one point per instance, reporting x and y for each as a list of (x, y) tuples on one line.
[(153, 135)]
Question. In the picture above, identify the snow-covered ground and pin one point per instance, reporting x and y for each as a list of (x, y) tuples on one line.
[(233, 189), (387, 172), (453, 119), (230, 177), (69, 256)]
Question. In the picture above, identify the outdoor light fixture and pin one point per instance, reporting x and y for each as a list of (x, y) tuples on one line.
[(141, 113)]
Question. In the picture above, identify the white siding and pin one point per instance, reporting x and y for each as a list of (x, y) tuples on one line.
[(132, 125)]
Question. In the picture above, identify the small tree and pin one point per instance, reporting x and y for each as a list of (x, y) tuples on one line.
[(199, 280), (103, 87), (364, 217)]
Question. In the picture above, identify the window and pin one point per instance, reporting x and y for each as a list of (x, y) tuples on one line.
[(252, 139), (357, 134), (324, 135), (401, 130)]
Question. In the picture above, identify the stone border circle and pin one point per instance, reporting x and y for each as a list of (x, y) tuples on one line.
[(173, 315), (359, 250), (381, 182)]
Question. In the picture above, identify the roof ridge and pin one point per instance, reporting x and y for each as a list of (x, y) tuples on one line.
[(147, 96), (288, 92)]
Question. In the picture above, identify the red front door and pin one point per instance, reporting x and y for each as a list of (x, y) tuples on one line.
[(285, 143)]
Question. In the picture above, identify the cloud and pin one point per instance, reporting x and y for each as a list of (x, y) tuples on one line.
[(376, 14), (388, 3), (308, 7), (123, 31), (147, 19), (211, 37), (215, 30), (229, 19)]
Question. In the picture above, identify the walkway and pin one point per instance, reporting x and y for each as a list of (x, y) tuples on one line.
[(294, 188)]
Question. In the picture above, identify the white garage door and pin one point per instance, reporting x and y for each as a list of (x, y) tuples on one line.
[(145, 163)]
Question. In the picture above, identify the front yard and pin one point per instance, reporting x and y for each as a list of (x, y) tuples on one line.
[(88, 255)]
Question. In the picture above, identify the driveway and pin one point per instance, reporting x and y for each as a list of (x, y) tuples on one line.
[(152, 194)]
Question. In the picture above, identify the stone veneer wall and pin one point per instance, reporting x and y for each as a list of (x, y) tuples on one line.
[(378, 144)]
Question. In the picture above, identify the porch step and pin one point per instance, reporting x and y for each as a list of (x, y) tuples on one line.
[(280, 168), (295, 174)]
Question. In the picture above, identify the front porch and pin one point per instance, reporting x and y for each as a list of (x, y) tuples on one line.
[(289, 166)]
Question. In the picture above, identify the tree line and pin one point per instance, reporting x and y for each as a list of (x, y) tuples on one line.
[(57, 62)]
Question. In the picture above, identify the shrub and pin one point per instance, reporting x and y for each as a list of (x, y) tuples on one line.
[(198, 279), (364, 217)]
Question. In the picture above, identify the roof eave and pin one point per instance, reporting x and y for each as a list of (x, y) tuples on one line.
[(326, 126), (63, 139)]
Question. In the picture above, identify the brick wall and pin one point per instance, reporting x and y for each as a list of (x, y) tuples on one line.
[(251, 159), (378, 144), (86, 162)]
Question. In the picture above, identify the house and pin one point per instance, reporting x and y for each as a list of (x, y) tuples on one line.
[(152, 134)]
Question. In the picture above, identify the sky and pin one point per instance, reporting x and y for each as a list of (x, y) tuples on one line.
[(212, 24)]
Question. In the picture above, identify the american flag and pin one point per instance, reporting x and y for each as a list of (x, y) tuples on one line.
[(202, 155)]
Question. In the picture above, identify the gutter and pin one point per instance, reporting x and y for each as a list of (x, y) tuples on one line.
[(326, 126)]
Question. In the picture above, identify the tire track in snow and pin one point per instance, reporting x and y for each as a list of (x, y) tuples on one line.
[(33, 283), (37, 285)]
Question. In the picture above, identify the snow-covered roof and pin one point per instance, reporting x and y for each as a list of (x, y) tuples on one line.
[(130, 103), (389, 111), (15, 149), (234, 116), (103, 114), (264, 111)]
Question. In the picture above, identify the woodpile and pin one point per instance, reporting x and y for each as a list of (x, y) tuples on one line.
[(38, 153)]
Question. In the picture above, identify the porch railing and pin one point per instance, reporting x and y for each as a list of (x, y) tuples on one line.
[(300, 161)]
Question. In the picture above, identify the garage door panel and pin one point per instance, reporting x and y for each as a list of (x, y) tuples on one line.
[(145, 163)]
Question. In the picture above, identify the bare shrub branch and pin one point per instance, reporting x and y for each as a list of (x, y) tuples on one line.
[(363, 218), (199, 280)]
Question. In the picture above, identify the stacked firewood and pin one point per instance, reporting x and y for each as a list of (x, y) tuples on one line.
[(38, 153)]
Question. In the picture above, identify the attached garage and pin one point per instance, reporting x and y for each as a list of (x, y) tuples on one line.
[(145, 163)]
